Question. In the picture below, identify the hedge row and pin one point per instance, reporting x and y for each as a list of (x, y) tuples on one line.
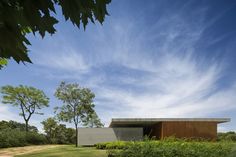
[(125, 144), (168, 149)]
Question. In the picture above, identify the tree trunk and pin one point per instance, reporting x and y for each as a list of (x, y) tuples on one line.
[(26, 126), (76, 134)]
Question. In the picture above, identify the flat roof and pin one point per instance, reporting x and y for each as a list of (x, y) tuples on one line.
[(132, 122)]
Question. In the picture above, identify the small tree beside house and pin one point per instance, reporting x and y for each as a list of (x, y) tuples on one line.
[(77, 104)]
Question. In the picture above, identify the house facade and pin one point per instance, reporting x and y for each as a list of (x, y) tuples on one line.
[(134, 129)]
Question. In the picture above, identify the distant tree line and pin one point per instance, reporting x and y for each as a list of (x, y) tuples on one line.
[(16, 125), (227, 136), (77, 108), (12, 134)]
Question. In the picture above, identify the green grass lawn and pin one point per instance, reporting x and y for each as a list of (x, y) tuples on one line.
[(67, 151)]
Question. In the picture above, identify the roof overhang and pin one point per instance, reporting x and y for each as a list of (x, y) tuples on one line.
[(140, 122)]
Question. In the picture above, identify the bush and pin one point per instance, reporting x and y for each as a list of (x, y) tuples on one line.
[(101, 145), (113, 145), (12, 138), (35, 138), (12, 134), (171, 149), (17, 138)]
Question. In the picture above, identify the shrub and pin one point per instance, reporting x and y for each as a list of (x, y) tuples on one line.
[(35, 138), (117, 145), (16, 138), (113, 145), (173, 149), (101, 145), (12, 138)]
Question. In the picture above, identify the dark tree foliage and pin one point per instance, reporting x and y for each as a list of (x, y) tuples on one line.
[(65, 135), (16, 125), (20, 17), (12, 134), (49, 127), (58, 133)]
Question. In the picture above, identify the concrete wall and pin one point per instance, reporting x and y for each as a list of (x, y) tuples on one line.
[(91, 136)]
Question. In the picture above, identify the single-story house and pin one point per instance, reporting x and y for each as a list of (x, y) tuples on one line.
[(133, 129)]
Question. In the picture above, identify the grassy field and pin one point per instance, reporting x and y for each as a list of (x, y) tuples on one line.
[(53, 151)]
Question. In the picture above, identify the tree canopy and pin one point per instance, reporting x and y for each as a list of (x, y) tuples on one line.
[(16, 125), (29, 99), (20, 17), (77, 104), (50, 126), (58, 133), (92, 120)]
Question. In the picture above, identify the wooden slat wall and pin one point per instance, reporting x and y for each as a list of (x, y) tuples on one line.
[(206, 130)]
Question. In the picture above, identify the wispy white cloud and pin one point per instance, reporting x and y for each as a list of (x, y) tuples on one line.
[(68, 61), (173, 91), (202, 102)]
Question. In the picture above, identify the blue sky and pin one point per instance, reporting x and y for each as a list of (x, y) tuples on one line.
[(149, 59)]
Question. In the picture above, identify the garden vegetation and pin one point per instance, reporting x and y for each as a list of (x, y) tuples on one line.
[(13, 134), (168, 148)]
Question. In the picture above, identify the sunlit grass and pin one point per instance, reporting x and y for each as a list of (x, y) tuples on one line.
[(67, 151)]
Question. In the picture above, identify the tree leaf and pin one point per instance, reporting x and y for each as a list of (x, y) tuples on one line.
[(18, 18)]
